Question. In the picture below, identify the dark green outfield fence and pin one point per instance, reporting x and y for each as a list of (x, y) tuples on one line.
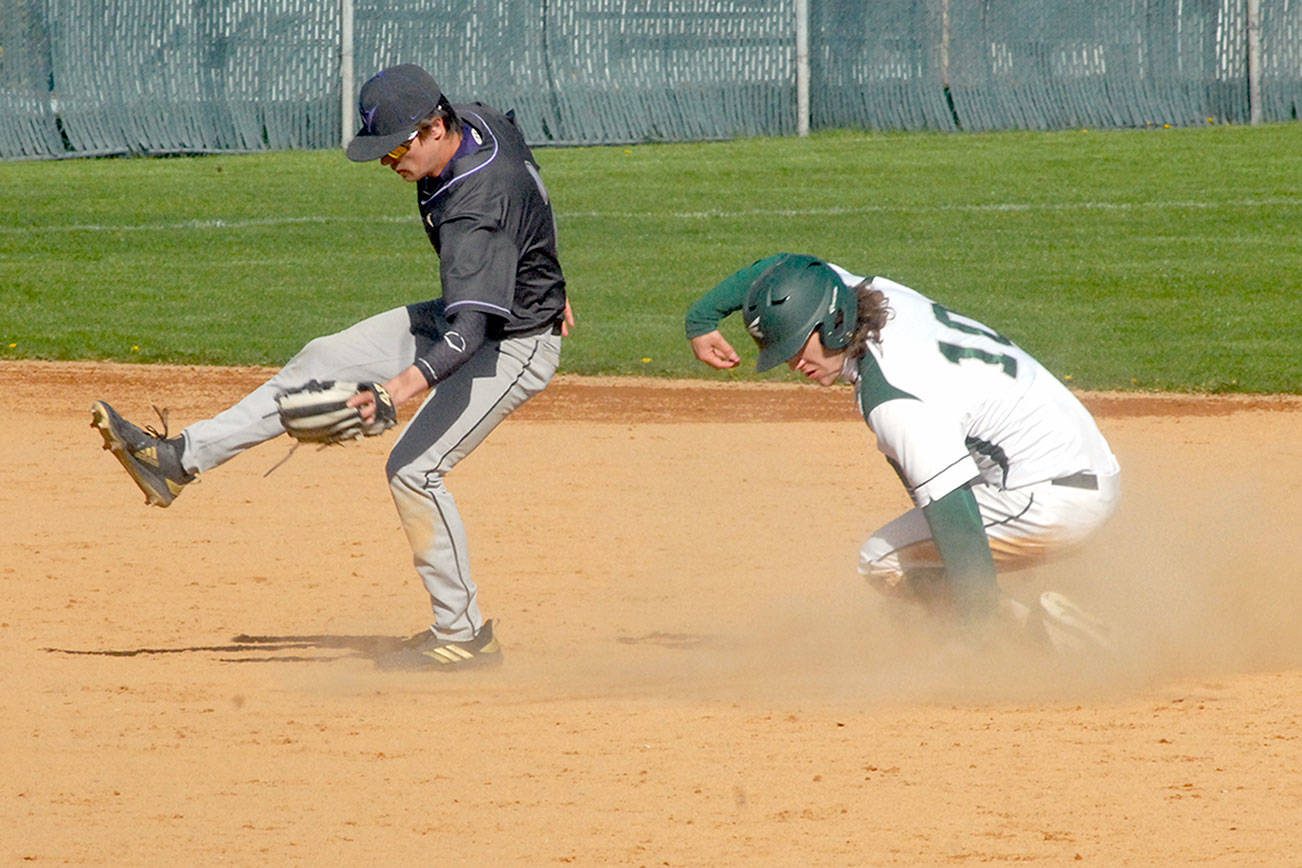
[(88, 77)]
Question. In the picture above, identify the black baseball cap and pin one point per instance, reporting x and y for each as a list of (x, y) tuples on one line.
[(392, 104)]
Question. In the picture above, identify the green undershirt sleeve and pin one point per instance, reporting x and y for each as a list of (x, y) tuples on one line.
[(725, 299), (956, 528)]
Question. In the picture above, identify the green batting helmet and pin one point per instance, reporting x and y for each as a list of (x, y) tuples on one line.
[(789, 300)]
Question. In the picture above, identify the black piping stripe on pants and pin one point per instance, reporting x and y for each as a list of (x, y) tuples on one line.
[(456, 390), (1006, 519)]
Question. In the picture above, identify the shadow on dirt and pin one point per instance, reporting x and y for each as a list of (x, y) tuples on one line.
[(266, 647), (671, 640)]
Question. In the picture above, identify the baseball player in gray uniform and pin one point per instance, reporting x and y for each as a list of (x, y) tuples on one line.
[(1004, 465), (486, 346)]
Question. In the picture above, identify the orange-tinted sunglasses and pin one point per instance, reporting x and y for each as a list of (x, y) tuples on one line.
[(399, 152)]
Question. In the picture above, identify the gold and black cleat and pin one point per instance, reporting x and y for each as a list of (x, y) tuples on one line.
[(427, 651), (152, 459)]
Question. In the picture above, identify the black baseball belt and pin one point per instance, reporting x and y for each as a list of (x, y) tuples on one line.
[(1084, 479), (553, 327)]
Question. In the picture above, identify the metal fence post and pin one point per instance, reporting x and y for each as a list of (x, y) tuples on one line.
[(1254, 62), (802, 67), (345, 71)]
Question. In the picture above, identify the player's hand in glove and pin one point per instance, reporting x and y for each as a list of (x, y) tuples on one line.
[(324, 411)]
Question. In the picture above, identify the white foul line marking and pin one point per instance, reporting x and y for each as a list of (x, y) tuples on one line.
[(991, 207)]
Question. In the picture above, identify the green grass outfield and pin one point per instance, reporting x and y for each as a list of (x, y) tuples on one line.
[(1157, 259)]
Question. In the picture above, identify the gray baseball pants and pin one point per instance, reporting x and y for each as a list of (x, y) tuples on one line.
[(456, 416)]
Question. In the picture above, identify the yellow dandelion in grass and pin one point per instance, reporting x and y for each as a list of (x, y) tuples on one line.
[(1166, 126), (646, 359), (12, 346), (135, 348), (1134, 381), (1066, 376)]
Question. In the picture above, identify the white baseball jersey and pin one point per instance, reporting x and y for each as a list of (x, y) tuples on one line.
[(951, 400)]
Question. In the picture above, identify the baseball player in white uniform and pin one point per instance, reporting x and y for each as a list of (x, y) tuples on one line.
[(1003, 463)]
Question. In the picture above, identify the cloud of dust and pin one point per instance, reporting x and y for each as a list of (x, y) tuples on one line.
[(1201, 580), (1193, 583)]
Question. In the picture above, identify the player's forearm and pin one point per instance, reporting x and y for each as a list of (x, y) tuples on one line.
[(465, 335), (704, 316), (724, 300), (956, 529)]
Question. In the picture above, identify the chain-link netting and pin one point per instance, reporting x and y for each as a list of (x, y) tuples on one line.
[(600, 70), (81, 77), (1121, 63), (1281, 59), (879, 65)]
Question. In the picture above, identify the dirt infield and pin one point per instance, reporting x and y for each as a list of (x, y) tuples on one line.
[(694, 673)]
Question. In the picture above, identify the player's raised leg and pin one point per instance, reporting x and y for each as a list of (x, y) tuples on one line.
[(376, 348), (160, 465)]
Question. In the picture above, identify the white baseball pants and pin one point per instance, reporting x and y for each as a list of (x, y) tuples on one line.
[(1024, 526)]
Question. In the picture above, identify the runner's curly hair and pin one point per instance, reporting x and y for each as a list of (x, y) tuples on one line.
[(874, 311)]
